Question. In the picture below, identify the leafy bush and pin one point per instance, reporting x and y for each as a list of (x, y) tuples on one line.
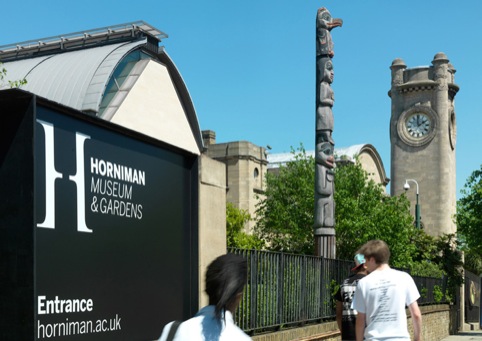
[(236, 220), (438, 294)]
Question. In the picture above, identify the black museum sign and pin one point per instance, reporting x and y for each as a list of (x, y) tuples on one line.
[(98, 227)]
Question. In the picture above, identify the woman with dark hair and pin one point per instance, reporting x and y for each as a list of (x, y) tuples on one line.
[(226, 277)]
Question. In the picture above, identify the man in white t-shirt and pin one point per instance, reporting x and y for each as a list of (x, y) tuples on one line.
[(381, 298)]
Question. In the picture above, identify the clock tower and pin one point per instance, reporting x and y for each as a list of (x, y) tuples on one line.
[(422, 138)]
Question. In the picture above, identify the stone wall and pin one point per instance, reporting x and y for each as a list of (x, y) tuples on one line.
[(435, 322), (327, 331), (436, 325), (246, 167), (212, 217)]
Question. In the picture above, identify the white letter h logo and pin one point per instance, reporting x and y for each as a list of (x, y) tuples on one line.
[(51, 174)]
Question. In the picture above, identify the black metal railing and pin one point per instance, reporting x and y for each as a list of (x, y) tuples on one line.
[(432, 290), (286, 290)]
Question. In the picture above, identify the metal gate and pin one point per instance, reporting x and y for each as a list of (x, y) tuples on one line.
[(472, 297)]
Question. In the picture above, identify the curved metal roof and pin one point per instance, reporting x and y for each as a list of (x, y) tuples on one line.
[(75, 69), (76, 79)]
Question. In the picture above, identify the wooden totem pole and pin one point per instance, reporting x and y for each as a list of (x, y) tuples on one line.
[(324, 224)]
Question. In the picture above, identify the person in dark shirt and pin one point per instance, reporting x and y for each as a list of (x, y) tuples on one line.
[(345, 315)]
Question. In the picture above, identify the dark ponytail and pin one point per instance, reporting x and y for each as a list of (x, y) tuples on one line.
[(226, 277)]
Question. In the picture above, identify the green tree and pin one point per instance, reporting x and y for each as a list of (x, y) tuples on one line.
[(285, 214), (469, 213), (424, 257), (469, 222), (236, 220), (472, 261), (363, 212), (449, 258)]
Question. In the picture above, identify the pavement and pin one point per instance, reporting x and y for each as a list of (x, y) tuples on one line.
[(472, 335)]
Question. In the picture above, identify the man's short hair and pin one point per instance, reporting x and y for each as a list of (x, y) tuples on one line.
[(377, 249)]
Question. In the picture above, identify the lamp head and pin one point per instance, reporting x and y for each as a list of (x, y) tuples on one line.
[(406, 186)]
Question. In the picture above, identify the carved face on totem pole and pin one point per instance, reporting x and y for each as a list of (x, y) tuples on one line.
[(328, 72), (324, 16), (324, 24)]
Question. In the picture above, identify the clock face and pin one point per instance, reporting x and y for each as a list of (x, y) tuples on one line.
[(418, 125)]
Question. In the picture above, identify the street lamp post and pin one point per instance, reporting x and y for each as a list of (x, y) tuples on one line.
[(417, 206)]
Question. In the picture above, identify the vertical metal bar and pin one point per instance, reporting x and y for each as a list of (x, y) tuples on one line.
[(298, 290), (322, 269), (274, 288), (280, 278), (261, 291), (303, 288), (243, 313), (307, 286), (271, 288), (253, 295), (265, 290), (290, 289)]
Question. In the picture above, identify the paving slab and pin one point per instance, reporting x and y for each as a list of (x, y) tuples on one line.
[(475, 335)]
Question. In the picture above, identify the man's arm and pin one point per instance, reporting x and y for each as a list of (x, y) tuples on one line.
[(417, 321), (360, 326), (339, 313)]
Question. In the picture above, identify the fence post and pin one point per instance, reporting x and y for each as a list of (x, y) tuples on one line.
[(303, 289), (281, 266), (322, 296), (254, 290)]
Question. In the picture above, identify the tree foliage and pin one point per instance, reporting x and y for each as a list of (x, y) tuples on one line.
[(363, 211), (236, 220), (285, 214), (472, 261), (424, 256), (449, 258), (469, 221), (469, 212)]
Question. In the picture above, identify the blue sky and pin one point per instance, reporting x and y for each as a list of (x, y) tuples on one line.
[(249, 65)]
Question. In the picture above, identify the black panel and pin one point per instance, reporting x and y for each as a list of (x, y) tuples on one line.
[(117, 235), (16, 216)]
